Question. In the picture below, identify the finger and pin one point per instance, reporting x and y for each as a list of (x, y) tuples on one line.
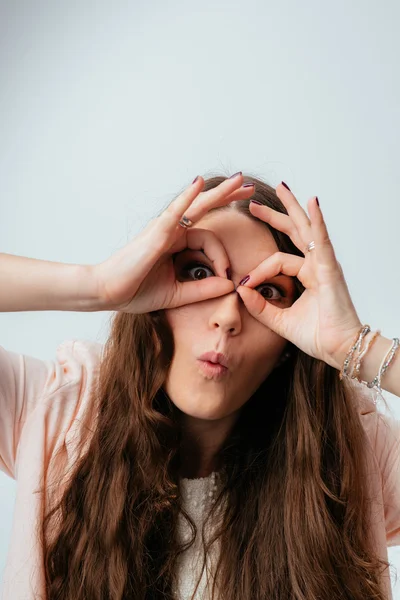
[(268, 314), (223, 194), (171, 216), (324, 251), (279, 221), (195, 291), (279, 262), (203, 203), (207, 242), (296, 212)]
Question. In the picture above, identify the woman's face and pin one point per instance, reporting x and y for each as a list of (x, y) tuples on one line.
[(223, 324)]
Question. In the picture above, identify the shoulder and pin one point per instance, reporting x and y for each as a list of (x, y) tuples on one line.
[(76, 362), (75, 352)]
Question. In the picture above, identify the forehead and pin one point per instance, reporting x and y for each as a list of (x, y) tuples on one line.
[(240, 235)]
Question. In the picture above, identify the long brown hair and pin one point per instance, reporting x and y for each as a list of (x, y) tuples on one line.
[(295, 521)]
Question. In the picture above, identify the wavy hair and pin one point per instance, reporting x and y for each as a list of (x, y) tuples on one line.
[(294, 524)]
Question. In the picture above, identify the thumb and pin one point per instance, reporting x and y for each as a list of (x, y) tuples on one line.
[(260, 308)]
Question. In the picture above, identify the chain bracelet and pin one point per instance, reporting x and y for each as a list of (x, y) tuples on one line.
[(352, 363), (365, 329)]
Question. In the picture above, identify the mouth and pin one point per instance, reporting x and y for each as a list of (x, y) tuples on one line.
[(212, 370), (215, 358)]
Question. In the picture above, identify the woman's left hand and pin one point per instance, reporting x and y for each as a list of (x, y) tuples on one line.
[(323, 321)]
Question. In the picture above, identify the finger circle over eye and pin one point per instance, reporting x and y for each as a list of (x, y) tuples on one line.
[(207, 242)]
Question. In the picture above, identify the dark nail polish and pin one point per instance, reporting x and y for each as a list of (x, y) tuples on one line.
[(316, 197), (248, 185), (286, 186), (228, 273), (234, 175), (243, 281), (194, 180), (256, 201)]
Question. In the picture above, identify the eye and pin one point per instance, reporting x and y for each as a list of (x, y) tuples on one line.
[(269, 285), (195, 265), (201, 266)]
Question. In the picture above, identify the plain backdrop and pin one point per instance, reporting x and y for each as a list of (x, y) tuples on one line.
[(108, 109)]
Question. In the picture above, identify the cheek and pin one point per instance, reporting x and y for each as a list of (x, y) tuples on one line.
[(179, 317), (264, 356), (186, 323), (265, 344)]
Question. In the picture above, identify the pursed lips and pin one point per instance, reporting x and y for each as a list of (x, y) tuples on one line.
[(216, 358)]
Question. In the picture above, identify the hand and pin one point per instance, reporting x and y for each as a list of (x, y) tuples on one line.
[(141, 277), (323, 321)]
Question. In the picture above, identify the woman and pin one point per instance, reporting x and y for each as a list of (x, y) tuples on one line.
[(144, 470)]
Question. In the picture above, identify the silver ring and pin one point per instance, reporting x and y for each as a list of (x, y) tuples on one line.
[(185, 222), (310, 246)]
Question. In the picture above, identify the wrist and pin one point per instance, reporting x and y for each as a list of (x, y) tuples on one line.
[(75, 289), (89, 297), (337, 359), (372, 360)]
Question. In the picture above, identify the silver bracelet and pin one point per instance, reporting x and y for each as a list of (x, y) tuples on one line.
[(365, 329), (355, 372), (376, 382), (356, 347)]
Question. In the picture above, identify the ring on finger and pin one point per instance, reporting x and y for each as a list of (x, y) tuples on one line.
[(310, 246), (185, 222)]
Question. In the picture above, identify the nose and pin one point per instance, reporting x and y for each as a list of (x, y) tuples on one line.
[(226, 313)]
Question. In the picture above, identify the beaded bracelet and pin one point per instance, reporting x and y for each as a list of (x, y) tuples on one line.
[(365, 329), (356, 347), (355, 372), (376, 382)]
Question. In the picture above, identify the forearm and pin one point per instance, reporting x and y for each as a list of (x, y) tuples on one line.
[(371, 362), (28, 284)]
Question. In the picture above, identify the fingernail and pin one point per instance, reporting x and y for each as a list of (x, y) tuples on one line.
[(286, 186), (316, 197), (228, 273), (194, 180), (248, 185), (244, 280), (235, 174), (256, 201)]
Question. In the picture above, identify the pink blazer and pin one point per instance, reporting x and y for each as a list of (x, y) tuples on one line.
[(42, 407)]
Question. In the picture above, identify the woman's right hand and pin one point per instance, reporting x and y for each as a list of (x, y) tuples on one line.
[(141, 277)]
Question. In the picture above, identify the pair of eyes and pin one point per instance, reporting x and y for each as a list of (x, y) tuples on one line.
[(193, 264)]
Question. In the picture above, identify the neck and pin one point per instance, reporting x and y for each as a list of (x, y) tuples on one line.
[(193, 466), (201, 441)]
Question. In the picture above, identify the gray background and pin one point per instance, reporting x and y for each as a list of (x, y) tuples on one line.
[(108, 109)]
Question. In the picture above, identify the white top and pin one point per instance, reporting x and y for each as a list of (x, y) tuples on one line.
[(197, 496)]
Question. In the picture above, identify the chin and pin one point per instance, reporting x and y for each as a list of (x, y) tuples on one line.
[(206, 413)]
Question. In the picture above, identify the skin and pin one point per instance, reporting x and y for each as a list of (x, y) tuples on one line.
[(210, 407)]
